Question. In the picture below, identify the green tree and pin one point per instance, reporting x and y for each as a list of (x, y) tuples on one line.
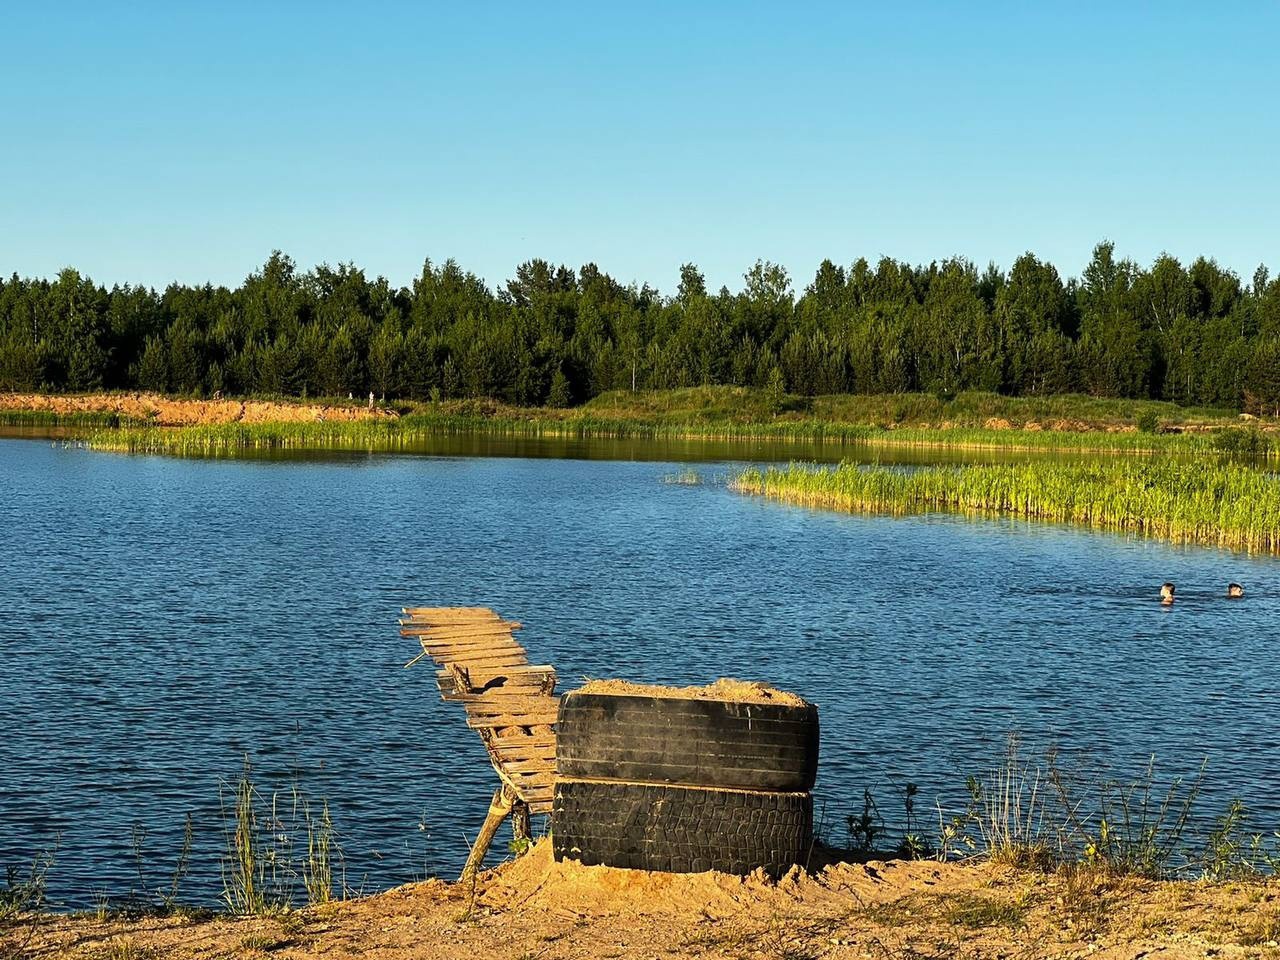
[(153, 368), (559, 395)]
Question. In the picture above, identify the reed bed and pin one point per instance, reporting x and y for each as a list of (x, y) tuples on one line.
[(1217, 503), (393, 435), (50, 418)]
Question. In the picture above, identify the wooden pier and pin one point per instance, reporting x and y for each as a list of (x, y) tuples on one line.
[(510, 703)]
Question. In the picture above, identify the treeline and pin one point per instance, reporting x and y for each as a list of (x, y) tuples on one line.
[(1193, 335)]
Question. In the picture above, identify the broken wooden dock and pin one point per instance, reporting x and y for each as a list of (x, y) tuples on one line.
[(510, 703)]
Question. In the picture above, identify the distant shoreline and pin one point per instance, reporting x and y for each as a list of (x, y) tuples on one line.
[(146, 422)]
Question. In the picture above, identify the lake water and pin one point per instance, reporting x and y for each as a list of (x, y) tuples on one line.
[(163, 618)]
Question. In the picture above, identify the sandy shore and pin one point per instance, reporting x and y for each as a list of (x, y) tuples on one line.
[(171, 412), (535, 908)]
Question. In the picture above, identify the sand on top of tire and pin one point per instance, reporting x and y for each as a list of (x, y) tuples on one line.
[(726, 689)]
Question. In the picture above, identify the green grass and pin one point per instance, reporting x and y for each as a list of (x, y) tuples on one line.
[(1212, 501), (976, 912), (48, 418), (969, 409)]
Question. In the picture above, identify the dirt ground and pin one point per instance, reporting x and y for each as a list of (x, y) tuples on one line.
[(534, 908), (170, 412)]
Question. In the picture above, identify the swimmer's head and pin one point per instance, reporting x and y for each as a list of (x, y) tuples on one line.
[(1235, 591), (1166, 593)]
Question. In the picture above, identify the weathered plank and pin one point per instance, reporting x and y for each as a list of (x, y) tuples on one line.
[(490, 660), (537, 686), (532, 747), (449, 612), (512, 720), (514, 706), (462, 626), (415, 627), (450, 654), (523, 675), (536, 765)]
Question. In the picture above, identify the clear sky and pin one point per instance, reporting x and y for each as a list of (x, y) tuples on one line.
[(152, 142)]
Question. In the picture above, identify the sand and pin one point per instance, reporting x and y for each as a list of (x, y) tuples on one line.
[(536, 908), (169, 412), (727, 689)]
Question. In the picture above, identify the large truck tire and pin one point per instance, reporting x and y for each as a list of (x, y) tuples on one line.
[(680, 829), (687, 741)]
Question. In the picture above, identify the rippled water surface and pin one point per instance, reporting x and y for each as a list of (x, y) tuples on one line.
[(163, 618)]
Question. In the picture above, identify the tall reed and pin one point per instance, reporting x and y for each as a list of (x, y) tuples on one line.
[(244, 866), (1210, 501), (317, 875), (260, 869)]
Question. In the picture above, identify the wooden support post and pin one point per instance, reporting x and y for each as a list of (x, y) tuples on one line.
[(521, 833), (504, 799)]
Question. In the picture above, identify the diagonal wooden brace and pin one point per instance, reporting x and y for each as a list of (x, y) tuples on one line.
[(504, 799)]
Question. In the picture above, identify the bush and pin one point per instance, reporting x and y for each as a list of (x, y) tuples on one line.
[(1248, 442), (1148, 421)]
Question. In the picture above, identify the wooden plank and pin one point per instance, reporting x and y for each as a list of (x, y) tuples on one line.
[(522, 675), (451, 653), (428, 633), (436, 632), (524, 747), (506, 760), (531, 690), (530, 767), (520, 745), (488, 660), (448, 611), (512, 720), (517, 754), (501, 720), (512, 706), (449, 693), (508, 699), (521, 671), (461, 626), (503, 644)]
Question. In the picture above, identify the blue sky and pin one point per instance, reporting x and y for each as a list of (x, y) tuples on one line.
[(153, 142)]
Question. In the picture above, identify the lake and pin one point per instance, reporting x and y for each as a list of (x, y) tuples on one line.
[(164, 618)]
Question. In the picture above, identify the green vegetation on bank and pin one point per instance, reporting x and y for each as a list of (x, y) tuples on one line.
[(971, 420), (553, 336), (48, 418), (1223, 503), (393, 435)]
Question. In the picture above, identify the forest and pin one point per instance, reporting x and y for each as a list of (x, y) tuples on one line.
[(553, 336)]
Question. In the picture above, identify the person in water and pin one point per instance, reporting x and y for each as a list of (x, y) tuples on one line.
[(1234, 591), (1166, 593)]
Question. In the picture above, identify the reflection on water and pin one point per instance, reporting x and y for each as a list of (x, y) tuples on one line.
[(164, 617), (635, 449)]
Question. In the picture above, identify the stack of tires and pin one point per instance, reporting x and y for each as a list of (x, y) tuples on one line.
[(684, 784)]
